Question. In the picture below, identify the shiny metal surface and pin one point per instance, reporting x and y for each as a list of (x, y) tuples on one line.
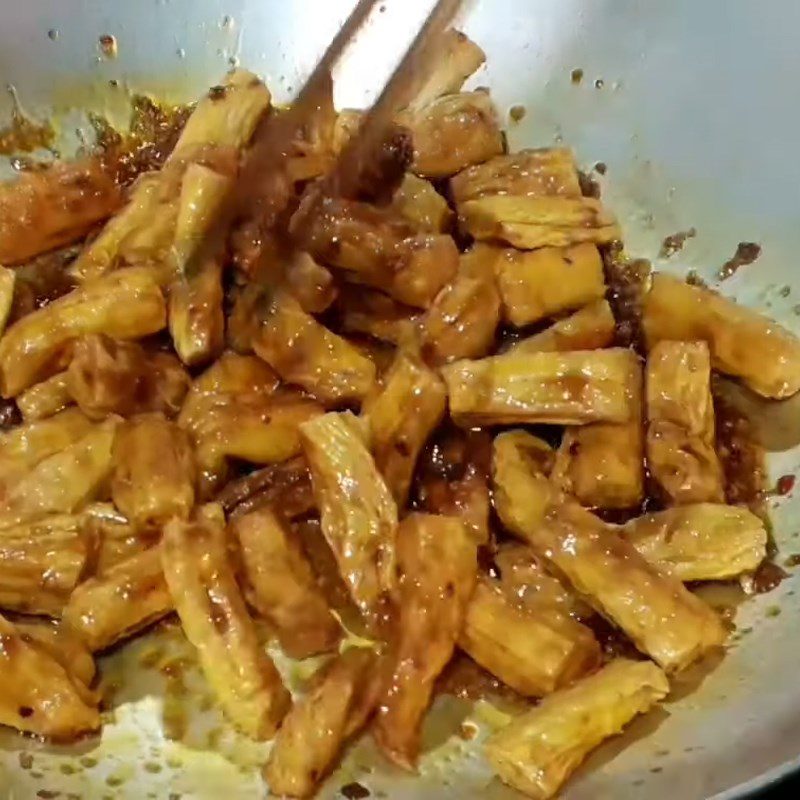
[(692, 108)]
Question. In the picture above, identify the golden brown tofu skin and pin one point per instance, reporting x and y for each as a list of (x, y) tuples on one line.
[(400, 418), (45, 399), (529, 223), (418, 202), (376, 247), (24, 446), (453, 132), (453, 478), (214, 617), (282, 587), (533, 650), (602, 465), (311, 284), (437, 564), (550, 171), (154, 471), (223, 426), (47, 209), (41, 563), (64, 481), (307, 354), (284, 487), (38, 695), (549, 281), (37, 345), (538, 750), (358, 512), (522, 491), (525, 581), (661, 617), (456, 57), (340, 700), (195, 316), (60, 642), (376, 314), (572, 388), (121, 601), (109, 376), (8, 280), (114, 537), (742, 343), (700, 542), (463, 319), (680, 424), (591, 328)]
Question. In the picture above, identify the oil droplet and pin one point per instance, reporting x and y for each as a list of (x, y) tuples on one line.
[(517, 113), (599, 83), (108, 45)]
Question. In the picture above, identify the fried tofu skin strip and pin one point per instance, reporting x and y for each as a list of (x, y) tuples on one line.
[(401, 418), (64, 481), (37, 346), (527, 173), (533, 222), (114, 537), (284, 487), (437, 562), (41, 563), (661, 617), (23, 447), (378, 315), (311, 284), (453, 479), (45, 399), (38, 695), (538, 750), (453, 132), (602, 465), (233, 411), (282, 586), (417, 201), (700, 542), (542, 283), (259, 430), (376, 247), (8, 280), (108, 376), (119, 602), (304, 352), (463, 319), (60, 642), (591, 328), (521, 467), (534, 651), (525, 581), (214, 617), (358, 512), (680, 424), (573, 388), (221, 124), (742, 343), (337, 706), (457, 57), (196, 319), (42, 211), (154, 471)]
